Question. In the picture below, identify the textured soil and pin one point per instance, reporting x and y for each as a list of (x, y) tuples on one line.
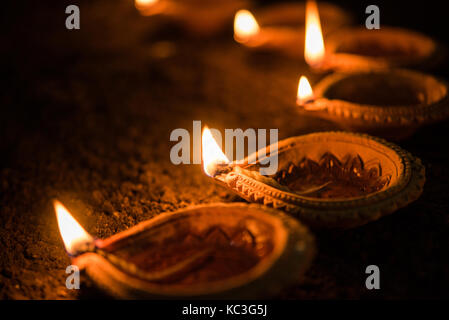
[(86, 117)]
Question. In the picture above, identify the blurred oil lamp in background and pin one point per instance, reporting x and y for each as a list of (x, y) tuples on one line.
[(327, 179), (359, 49), (280, 27), (143, 5), (248, 32), (207, 251), (246, 28), (199, 17), (390, 104)]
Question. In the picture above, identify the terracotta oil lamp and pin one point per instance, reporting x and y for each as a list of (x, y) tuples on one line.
[(359, 49), (199, 17), (225, 251), (390, 104), (327, 179), (281, 27)]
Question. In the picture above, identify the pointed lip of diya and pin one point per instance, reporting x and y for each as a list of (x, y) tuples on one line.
[(405, 187), (432, 90), (418, 50), (293, 250)]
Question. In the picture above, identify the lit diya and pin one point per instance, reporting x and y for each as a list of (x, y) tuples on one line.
[(391, 104), (199, 17), (207, 251), (360, 49), (280, 27), (327, 179)]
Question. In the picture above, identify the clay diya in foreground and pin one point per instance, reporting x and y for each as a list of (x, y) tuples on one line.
[(211, 251), (281, 27), (391, 104), (199, 17), (328, 179)]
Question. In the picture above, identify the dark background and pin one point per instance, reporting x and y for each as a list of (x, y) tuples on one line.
[(86, 116)]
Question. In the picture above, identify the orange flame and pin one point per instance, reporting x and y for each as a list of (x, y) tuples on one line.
[(245, 26), (314, 46), (144, 4), (71, 231), (212, 154), (305, 92)]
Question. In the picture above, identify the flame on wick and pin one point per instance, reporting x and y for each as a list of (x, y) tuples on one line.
[(71, 231), (144, 4), (314, 46), (212, 154), (305, 92), (245, 26)]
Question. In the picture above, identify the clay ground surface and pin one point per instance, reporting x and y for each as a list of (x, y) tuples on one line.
[(86, 117)]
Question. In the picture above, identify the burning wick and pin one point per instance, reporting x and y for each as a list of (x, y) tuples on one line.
[(75, 238), (266, 37), (214, 160), (144, 4), (314, 50), (245, 26), (155, 7), (305, 92)]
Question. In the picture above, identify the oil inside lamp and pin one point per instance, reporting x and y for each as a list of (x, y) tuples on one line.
[(206, 251), (245, 26), (314, 50)]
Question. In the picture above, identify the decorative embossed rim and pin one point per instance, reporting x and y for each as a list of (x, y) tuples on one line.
[(383, 115), (330, 213), (291, 257)]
